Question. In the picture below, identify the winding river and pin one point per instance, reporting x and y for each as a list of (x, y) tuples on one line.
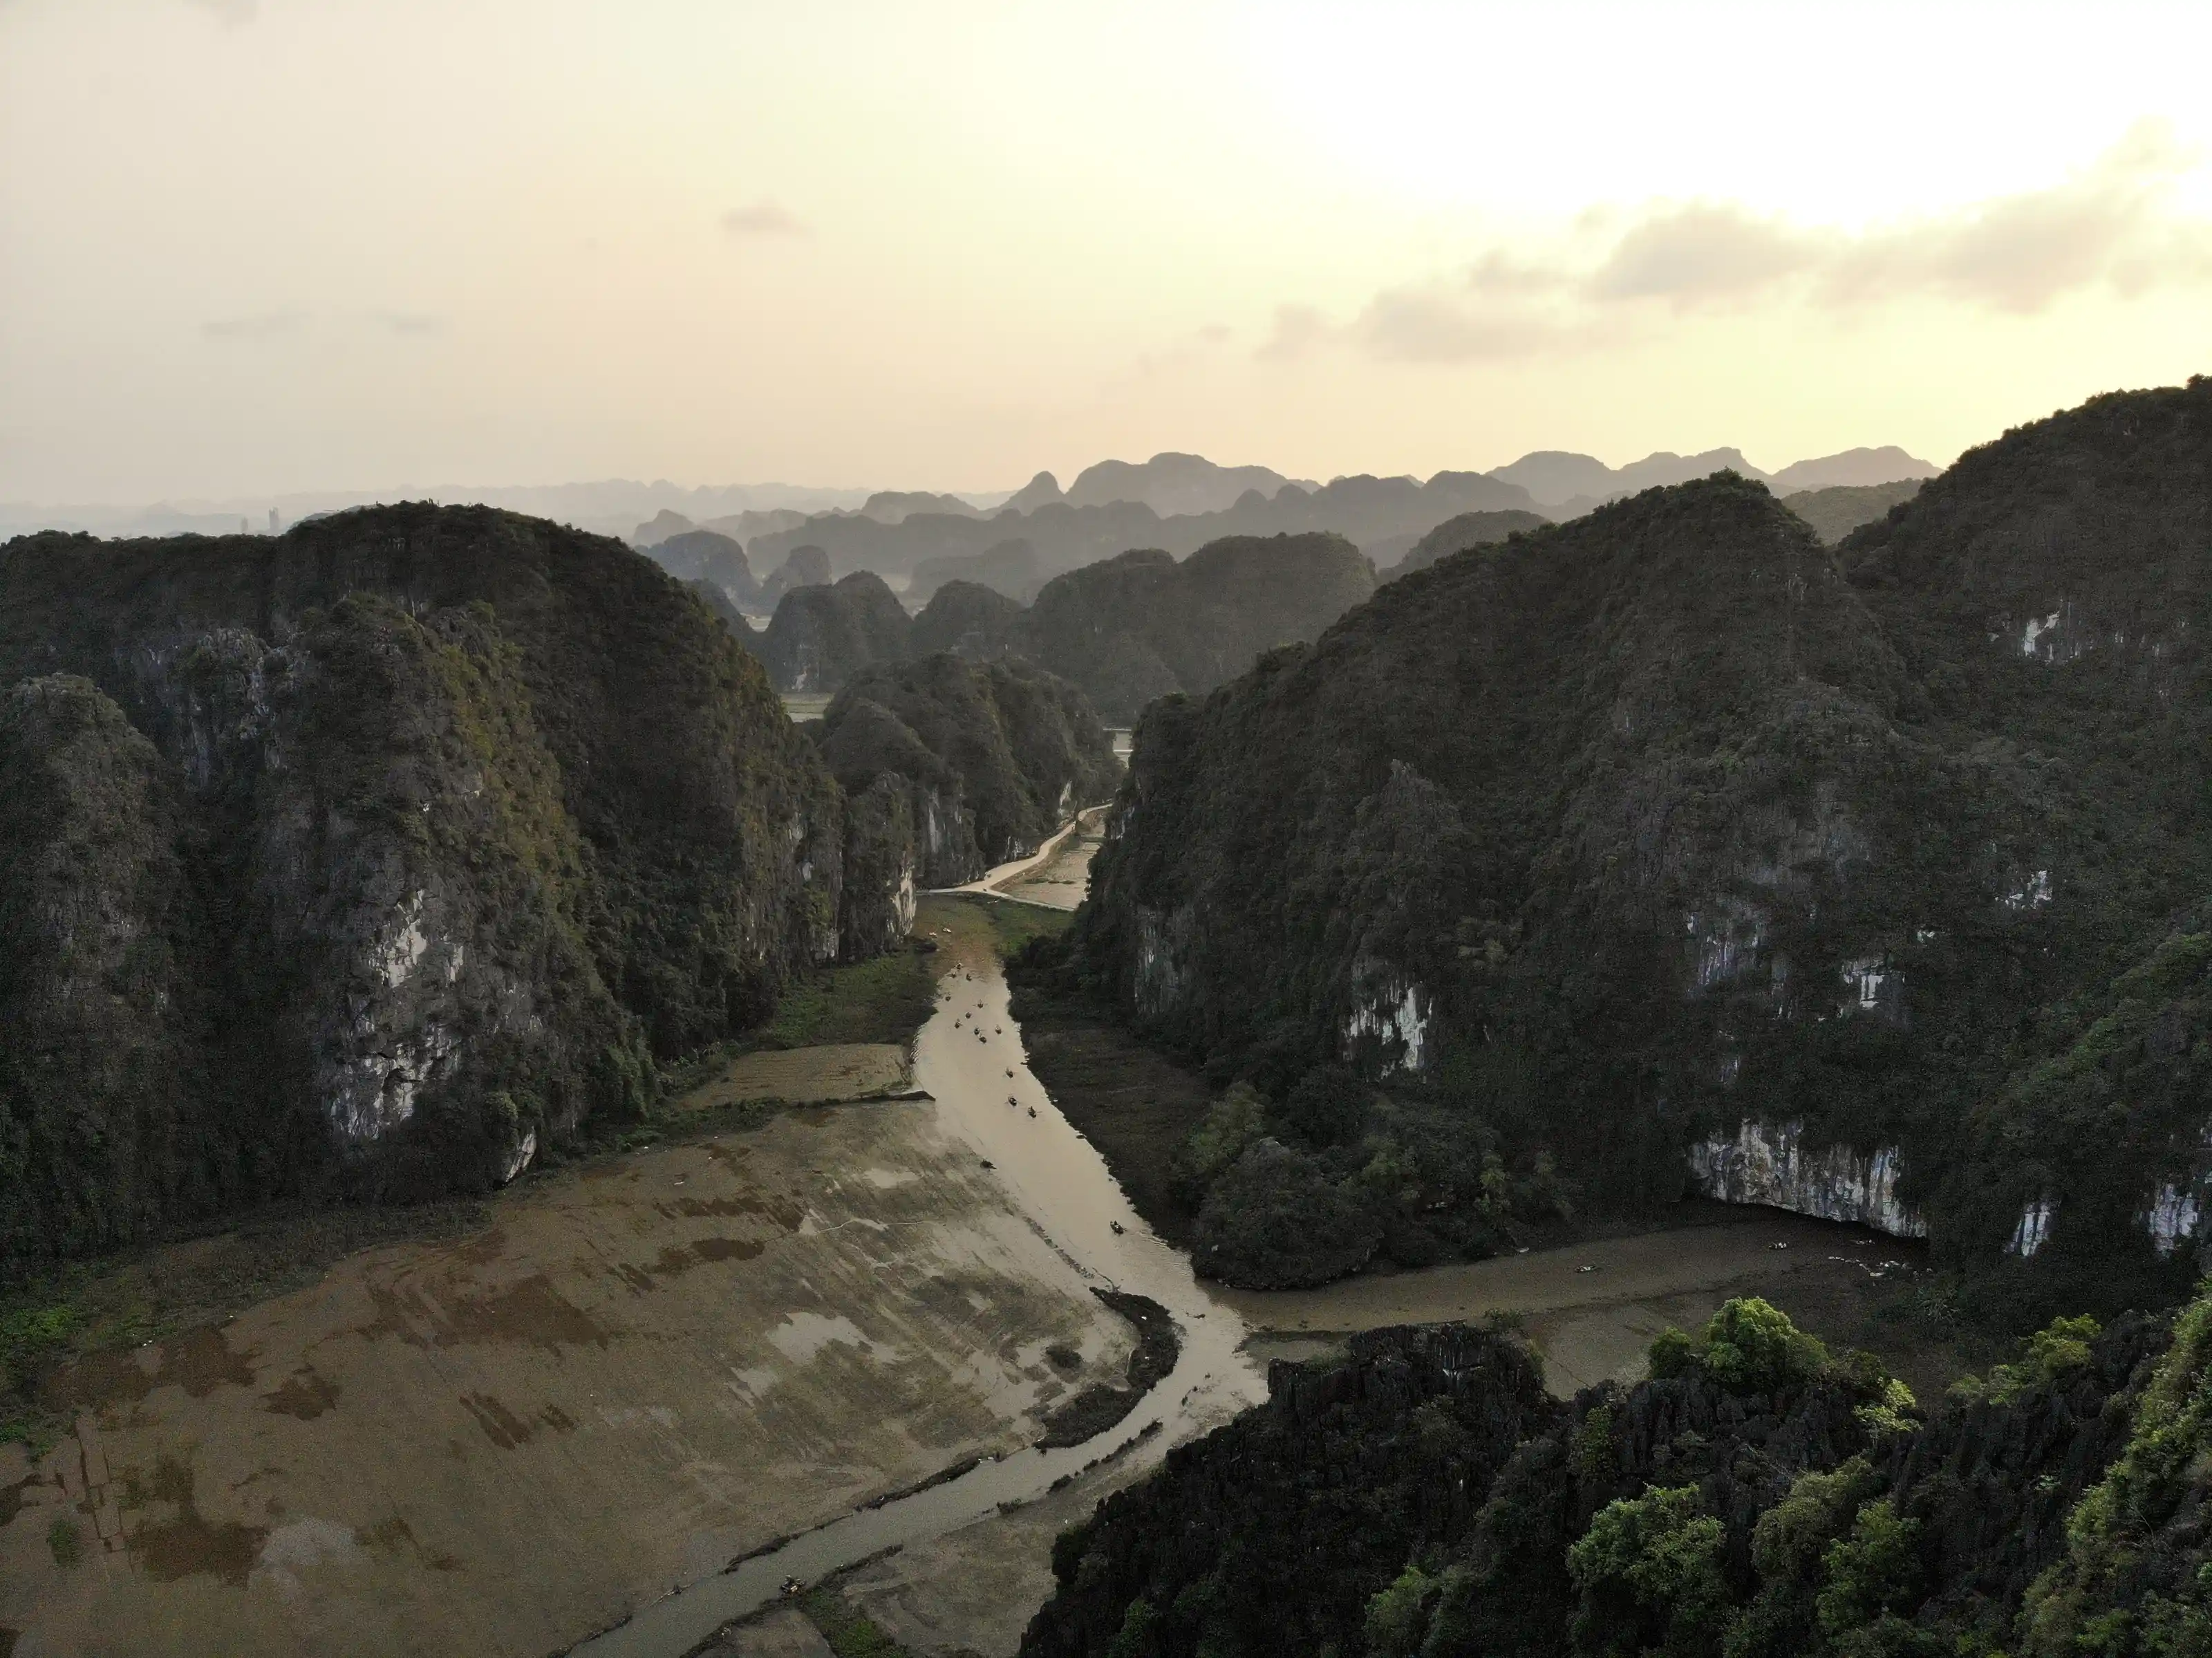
[(970, 1059)]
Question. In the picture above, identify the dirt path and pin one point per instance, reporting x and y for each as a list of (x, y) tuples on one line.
[(1060, 881)]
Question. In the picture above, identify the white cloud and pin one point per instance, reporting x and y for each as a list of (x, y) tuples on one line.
[(2112, 227)]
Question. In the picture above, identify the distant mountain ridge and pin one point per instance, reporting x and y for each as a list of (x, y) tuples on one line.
[(1571, 483)]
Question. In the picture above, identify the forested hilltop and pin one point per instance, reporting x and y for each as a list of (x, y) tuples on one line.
[(982, 760), (1124, 631), (1759, 1497), (379, 856), (1669, 849)]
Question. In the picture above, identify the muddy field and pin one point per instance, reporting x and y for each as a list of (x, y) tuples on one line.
[(500, 1444), (1061, 880)]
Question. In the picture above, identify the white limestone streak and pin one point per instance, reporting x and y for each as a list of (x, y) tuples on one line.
[(2171, 1219), (1767, 1163), (1395, 1017), (2034, 1229)]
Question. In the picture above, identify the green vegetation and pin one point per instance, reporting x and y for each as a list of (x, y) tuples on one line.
[(989, 757), (1748, 1347), (1590, 846), (1648, 1573), (1836, 511), (884, 1000), (849, 1631), (821, 637), (1141, 626), (66, 1541), (373, 860), (1422, 1496), (1015, 925), (1469, 529)]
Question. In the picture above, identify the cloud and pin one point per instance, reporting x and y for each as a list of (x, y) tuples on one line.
[(412, 323), (262, 324), (764, 218), (2112, 227)]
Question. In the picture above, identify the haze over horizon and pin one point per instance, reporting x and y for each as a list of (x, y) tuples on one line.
[(258, 248)]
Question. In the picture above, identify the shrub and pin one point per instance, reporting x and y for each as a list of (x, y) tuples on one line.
[(1749, 1346), (1649, 1574)]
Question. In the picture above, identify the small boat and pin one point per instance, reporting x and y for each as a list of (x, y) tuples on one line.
[(1012, 1100), (1032, 1110), (1118, 1228)]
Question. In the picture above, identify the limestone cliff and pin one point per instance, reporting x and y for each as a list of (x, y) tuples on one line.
[(420, 837), (1671, 843)]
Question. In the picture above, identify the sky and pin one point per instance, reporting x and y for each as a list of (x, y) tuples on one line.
[(286, 245)]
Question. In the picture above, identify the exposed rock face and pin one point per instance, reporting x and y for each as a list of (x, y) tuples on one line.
[(821, 637), (991, 759), (415, 837), (1142, 625), (1685, 823), (1768, 1164), (1423, 1495)]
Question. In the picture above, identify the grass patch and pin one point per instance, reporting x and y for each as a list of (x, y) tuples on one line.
[(163, 1290), (885, 1000), (1015, 925), (850, 1633), (67, 1542)]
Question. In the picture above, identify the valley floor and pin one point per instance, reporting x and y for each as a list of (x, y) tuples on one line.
[(498, 1442)]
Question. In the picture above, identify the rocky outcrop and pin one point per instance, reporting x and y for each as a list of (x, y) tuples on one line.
[(1677, 821), (1143, 626), (990, 759), (821, 637), (969, 620), (803, 566), (415, 840), (1768, 1164), (1421, 1493)]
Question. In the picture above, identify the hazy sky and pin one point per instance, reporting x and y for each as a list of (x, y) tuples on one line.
[(273, 245)]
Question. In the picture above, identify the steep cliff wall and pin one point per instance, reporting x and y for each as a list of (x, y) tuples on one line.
[(1698, 834), (461, 822)]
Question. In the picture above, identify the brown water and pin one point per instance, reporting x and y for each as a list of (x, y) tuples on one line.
[(1597, 1304)]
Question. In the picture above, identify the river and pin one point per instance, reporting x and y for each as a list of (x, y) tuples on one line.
[(970, 1059), (1593, 1307)]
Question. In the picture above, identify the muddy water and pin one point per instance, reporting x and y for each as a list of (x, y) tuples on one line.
[(969, 1057)]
